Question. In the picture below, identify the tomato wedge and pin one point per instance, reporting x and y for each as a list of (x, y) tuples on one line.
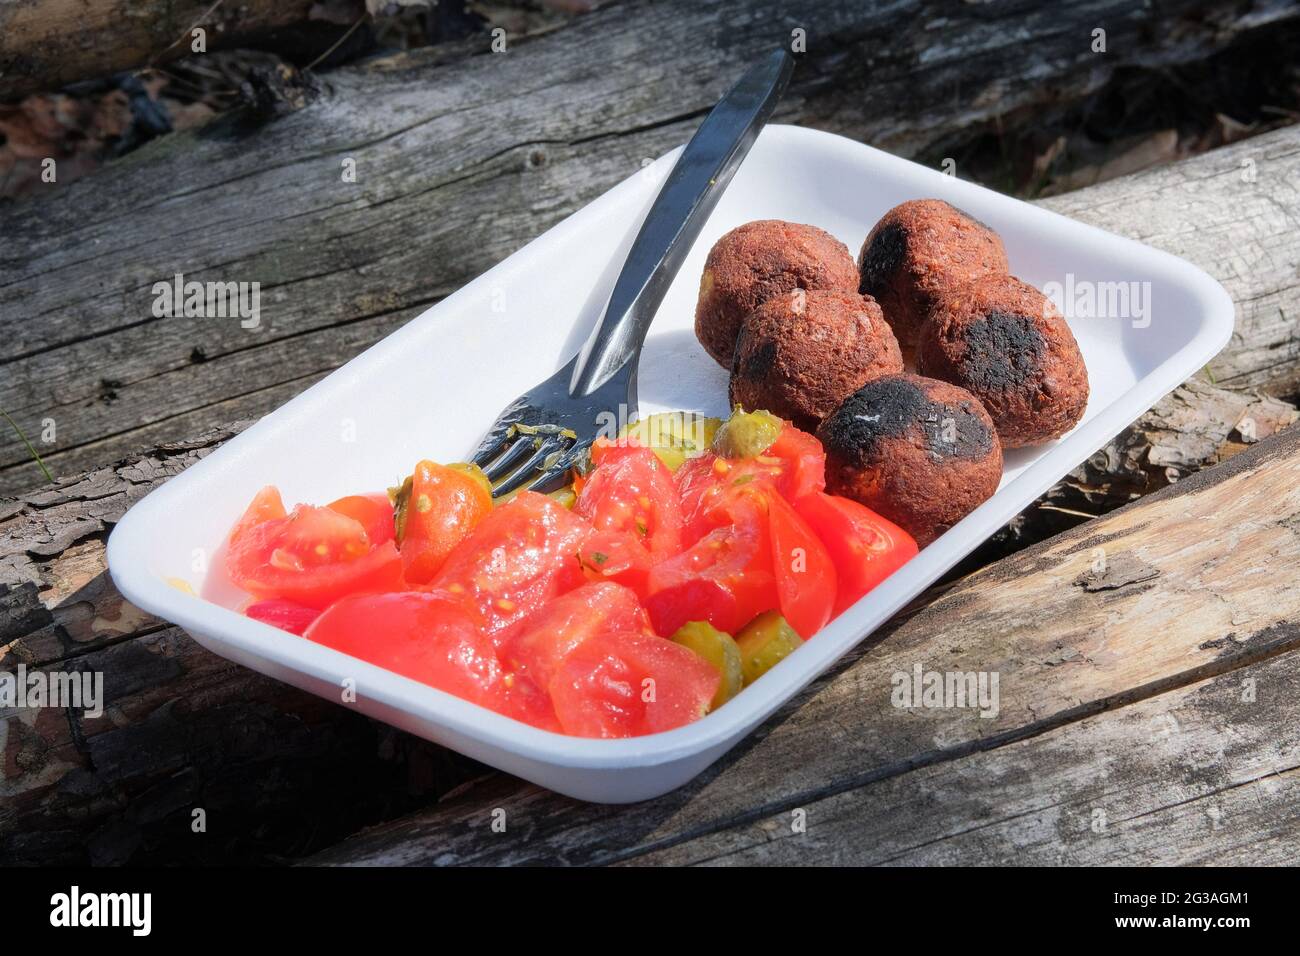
[(725, 578), (537, 645), (625, 684), (312, 556), (630, 490), (286, 615), (444, 506), (795, 465), (422, 636), (803, 463), (864, 547), (373, 511), (522, 555), (805, 572), (619, 557)]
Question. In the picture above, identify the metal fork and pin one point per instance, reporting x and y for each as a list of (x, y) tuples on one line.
[(545, 431)]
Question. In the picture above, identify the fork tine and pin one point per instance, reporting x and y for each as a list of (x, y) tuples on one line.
[(527, 472), (491, 446), (504, 464)]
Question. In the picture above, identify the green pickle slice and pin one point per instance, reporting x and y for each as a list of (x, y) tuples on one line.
[(718, 648), (765, 642), (746, 434), (673, 436)]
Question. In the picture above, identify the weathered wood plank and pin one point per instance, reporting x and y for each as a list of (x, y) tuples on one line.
[(1208, 774), (460, 163), (1162, 593), (47, 44)]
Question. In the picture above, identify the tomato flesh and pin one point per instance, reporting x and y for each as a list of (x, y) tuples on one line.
[(286, 615), (421, 636), (625, 684), (373, 511), (539, 644), (444, 506), (864, 547), (725, 578), (805, 572), (632, 491), (525, 553), (312, 556)]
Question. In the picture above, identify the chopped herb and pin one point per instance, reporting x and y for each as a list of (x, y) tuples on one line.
[(598, 557), (743, 480)]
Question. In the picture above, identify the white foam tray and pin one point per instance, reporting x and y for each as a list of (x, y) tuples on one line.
[(432, 387)]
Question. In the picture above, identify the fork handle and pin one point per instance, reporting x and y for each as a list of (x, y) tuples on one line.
[(692, 189)]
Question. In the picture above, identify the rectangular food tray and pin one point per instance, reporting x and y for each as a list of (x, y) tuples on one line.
[(429, 389)]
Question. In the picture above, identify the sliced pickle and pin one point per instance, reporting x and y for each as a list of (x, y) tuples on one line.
[(764, 642), (746, 434), (718, 648), (674, 436)]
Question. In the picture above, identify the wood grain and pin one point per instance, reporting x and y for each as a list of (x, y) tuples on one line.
[(461, 161), (1179, 587), (1208, 774)]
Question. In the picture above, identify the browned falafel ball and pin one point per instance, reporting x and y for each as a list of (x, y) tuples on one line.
[(802, 353), (757, 261), (921, 452), (1005, 342), (916, 252)]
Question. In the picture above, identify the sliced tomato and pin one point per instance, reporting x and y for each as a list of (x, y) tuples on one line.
[(627, 684), (803, 463), (444, 506), (630, 490), (537, 645), (522, 555), (265, 506), (374, 512), (864, 547), (619, 557), (725, 578), (313, 556), (286, 615), (425, 637), (805, 572), (794, 465)]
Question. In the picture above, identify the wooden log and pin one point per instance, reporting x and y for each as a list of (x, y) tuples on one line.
[(460, 162), (47, 44), (1162, 594), (1208, 774), (58, 608)]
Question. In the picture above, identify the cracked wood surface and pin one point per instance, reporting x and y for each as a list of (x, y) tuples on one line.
[(184, 726), (461, 160), (1202, 589)]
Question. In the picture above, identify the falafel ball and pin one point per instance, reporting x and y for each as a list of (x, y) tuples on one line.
[(1006, 343), (920, 452), (917, 252), (757, 261), (800, 353)]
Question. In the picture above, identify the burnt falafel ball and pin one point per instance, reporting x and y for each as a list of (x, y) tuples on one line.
[(1005, 342), (800, 354), (759, 260), (920, 452), (916, 252)]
